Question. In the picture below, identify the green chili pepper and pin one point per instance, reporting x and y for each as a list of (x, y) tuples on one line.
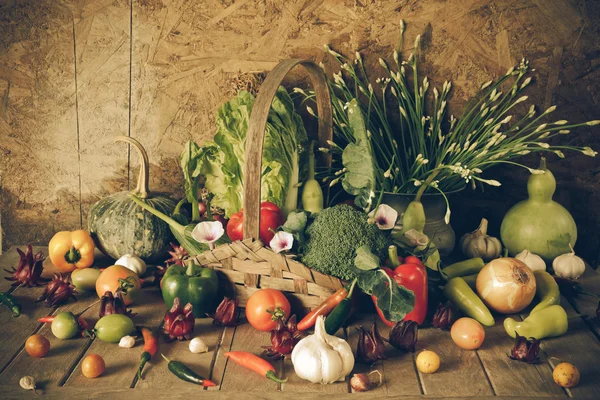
[(471, 280), (465, 299), (546, 290), (183, 372), (340, 313), (10, 302), (463, 268), (549, 322)]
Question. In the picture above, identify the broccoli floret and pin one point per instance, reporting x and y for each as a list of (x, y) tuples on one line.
[(334, 236)]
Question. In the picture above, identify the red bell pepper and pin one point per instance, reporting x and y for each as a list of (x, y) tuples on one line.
[(412, 275), (271, 218)]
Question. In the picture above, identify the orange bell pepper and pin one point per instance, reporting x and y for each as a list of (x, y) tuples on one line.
[(70, 250)]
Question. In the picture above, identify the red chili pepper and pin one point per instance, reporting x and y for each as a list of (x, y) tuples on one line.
[(254, 363), (324, 309), (413, 276), (150, 347), (47, 320)]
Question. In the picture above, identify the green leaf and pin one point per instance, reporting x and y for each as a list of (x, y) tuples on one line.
[(295, 222), (365, 260), (393, 300), (357, 158)]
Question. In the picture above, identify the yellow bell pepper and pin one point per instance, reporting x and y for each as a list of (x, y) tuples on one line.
[(71, 250)]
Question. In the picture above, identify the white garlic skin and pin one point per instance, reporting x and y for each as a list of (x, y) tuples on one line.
[(533, 261), (127, 342), (27, 383), (568, 265), (198, 346), (322, 358)]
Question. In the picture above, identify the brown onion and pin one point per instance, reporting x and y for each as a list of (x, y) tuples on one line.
[(506, 285)]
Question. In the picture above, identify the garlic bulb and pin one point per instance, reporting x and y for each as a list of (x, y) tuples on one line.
[(197, 346), (322, 358), (533, 261), (28, 383), (127, 342), (133, 263), (569, 265), (479, 244)]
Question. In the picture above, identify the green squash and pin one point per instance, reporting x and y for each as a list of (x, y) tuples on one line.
[(539, 224), (119, 226)]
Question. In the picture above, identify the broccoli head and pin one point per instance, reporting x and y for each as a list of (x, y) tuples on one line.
[(333, 237)]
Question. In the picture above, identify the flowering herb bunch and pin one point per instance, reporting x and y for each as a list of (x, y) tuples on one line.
[(426, 146)]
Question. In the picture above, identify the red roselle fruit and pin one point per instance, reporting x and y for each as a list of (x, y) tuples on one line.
[(404, 335), (28, 272), (370, 347), (178, 254), (283, 338), (526, 350), (226, 313), (110, 304), (179, 322), (444, 316), (58, 291)]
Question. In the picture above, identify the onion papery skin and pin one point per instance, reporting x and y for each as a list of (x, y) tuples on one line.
[(506, 285)]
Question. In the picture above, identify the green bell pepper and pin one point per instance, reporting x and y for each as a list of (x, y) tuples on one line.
[(194, 284)]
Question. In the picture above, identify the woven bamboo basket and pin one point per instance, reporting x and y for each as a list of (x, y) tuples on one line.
[(248, 265)]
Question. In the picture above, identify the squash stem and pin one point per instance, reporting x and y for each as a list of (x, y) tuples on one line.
[(144, 177), (170, 221)]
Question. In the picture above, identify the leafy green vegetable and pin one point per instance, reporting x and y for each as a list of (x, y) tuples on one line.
[(393, 300), (222, 161), (357, 158), (333, 237)]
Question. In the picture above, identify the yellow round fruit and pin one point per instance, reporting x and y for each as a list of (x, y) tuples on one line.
[(566, 375), (428, 362), (92, 366)]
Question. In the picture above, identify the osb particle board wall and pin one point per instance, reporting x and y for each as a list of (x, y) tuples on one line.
[(74, 74)]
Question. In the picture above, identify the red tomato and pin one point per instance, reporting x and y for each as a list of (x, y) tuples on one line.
[(109, 281), (263, 307), (271, 217), (467, 333), (37, 346)]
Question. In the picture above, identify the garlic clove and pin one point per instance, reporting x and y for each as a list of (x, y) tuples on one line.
[(198, 346), (127, 342), (533, 261), (28, 383), (569, 265)]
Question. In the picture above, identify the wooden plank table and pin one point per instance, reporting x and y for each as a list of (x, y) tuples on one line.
[(484, 373)]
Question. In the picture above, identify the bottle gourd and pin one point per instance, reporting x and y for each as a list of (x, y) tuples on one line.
[(539, 224)]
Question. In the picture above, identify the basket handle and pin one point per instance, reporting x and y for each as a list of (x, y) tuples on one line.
[(256, 133)]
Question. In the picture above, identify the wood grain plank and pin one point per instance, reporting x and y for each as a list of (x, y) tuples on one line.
[(238, 378), (587, 305), (457, 367), (580, 347), (12, 392), (102, 66), (160, 377), (16, 330), (220, 362), (399, 364), (51, 370), (122, 363), (514, 378)]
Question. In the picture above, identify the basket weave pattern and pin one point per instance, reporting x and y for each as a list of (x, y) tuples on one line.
[(250, 266)]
